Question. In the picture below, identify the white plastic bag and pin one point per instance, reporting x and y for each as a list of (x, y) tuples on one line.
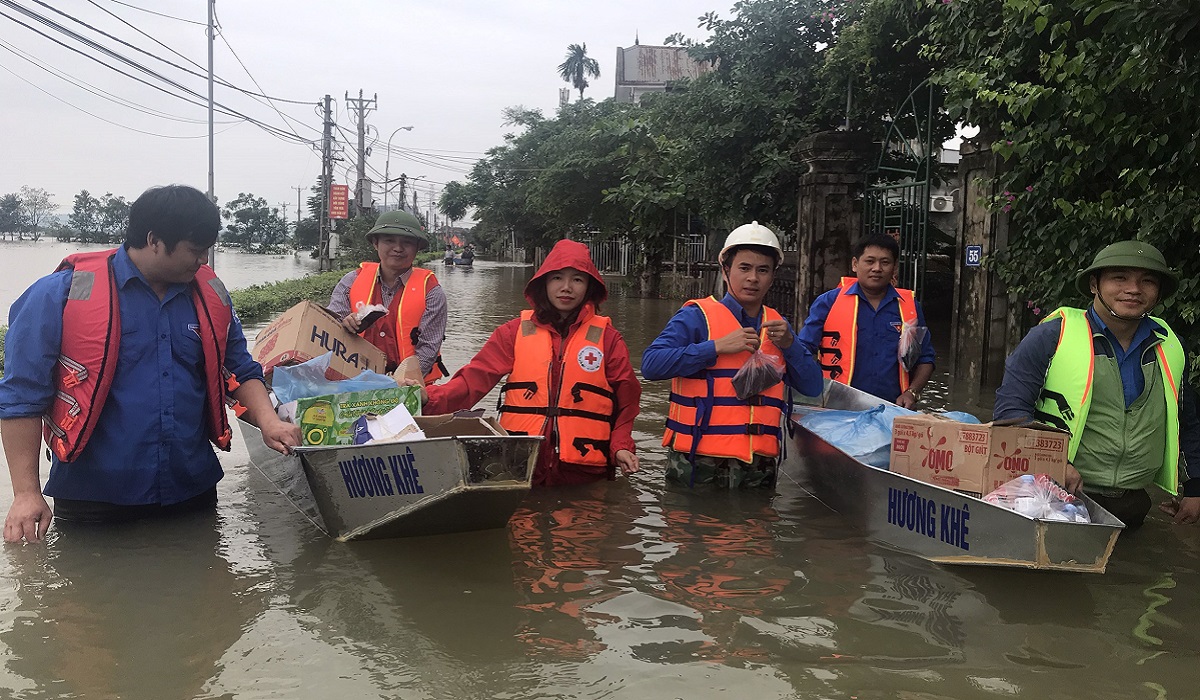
[(1038, 496), (368, 314)]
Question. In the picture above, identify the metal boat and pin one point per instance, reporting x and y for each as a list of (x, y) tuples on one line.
[(938, 524), (468, 474)]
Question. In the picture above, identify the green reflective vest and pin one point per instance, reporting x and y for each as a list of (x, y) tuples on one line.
[(1068, 391)]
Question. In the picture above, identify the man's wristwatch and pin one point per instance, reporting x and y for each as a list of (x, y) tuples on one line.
[(915, 392)]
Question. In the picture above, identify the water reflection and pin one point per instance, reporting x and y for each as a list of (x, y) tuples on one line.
[(112, 611)]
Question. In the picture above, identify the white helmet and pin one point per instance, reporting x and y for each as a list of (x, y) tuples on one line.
[(752, 233)]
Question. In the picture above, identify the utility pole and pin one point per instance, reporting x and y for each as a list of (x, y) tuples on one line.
[(212, 194), (323, 259), (299, 210), (361, 106), (403, 182)]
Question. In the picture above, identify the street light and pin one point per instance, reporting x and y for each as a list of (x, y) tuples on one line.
[(387, 184)]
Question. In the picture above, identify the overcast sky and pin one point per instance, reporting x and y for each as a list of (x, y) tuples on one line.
[(448, 68)]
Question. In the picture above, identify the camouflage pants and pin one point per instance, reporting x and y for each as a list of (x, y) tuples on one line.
[(722, 472)]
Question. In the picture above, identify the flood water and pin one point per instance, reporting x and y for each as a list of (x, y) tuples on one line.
[(627, 589)]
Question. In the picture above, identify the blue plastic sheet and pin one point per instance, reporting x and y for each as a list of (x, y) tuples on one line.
[(865, 435), (308, 379)]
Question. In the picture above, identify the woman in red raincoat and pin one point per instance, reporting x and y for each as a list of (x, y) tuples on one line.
[(569, 375)]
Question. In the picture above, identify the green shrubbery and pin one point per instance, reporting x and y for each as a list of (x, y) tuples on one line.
[(264, 300)]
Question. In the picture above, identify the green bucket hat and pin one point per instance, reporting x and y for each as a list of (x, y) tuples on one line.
[(399, 223), (1130, 254)]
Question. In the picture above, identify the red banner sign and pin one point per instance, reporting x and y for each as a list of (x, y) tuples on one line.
[(339, 201)]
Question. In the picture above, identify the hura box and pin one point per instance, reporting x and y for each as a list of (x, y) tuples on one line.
[(975, 458), (329, 419), (306, 331)]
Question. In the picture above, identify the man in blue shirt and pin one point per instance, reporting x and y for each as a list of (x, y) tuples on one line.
[(1115, 377), (145, 449), (871, 313), (714, 436)]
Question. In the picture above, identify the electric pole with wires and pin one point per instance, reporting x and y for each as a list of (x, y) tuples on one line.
[(362, 192)]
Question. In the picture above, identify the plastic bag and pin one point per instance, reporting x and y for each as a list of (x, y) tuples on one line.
[(368, 314), (912, 339), (761, 372), (1038, 496), (864, 435), (308, 379)]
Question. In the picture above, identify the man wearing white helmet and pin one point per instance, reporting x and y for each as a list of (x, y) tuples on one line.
[(855, 330), (715, 437)]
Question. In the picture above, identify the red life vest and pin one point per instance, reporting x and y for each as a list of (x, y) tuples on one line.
[(91, 340), (839, 339), (406, 308), (707, 418), (583, 399)]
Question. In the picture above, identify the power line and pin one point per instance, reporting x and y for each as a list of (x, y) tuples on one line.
[(273, 130), (123, 126), (104, 94), (152, 12)]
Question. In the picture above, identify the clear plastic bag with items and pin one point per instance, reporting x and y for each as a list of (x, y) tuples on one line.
[(912, 340), (308, 379), (761, 372), (1039, 496)]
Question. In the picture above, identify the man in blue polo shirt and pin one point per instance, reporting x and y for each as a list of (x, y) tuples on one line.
[(1116, 378), (113, 355), (715, 437), (855, 330)]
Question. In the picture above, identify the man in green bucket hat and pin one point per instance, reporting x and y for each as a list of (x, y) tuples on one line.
[(1114, 376), (415, 324)]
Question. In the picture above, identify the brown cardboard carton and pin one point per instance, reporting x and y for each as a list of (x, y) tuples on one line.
[(306, 331), (974, 458)]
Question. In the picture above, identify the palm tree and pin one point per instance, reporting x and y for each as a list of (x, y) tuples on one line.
[(578, 67)]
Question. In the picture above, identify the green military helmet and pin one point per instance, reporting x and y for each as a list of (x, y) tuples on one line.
[(399, 223), (1137, 254)]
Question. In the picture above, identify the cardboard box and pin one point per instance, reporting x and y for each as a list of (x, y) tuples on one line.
[(306, 331), (329, 419), (975, 458)]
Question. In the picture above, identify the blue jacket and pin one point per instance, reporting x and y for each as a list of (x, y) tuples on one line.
[(877, 362), (1025, 371), (684, 349), (150, 445)]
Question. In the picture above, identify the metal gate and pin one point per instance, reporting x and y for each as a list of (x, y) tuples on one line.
[(896, 200)]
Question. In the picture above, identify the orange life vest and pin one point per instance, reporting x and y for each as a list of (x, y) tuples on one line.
[(91, 340), (581, 404), (707, 418), (406, 308), (839, 338)]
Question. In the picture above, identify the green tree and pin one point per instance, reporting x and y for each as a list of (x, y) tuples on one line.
[(10, 214), (308, 232), (253, 225), (84, 219), (113, 217), (454, 201), (1087, 103), (578, 67), (37, 206)]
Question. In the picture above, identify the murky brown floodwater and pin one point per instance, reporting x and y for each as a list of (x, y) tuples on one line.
[(621, 590)]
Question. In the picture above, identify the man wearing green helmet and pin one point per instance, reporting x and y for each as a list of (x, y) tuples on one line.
[(416, 320), (1115, 377)]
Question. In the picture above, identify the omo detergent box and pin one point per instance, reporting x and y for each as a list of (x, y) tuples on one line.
[(975, 458), (329, 419)]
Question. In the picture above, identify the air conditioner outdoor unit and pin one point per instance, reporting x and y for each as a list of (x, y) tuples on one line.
[(941, 203)]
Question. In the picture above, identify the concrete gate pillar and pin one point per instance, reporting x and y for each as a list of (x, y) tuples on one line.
[(986, 324), (830, 211)]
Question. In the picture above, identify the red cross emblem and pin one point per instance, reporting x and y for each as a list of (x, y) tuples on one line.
[(590, 358)]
